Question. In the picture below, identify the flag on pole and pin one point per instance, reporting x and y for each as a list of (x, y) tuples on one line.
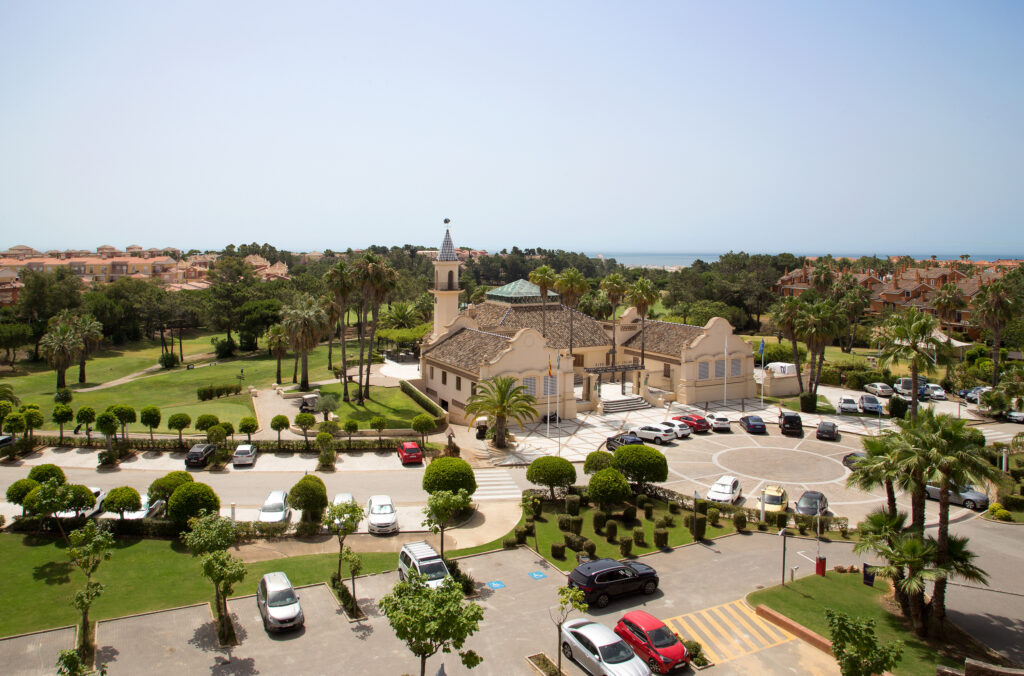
[(550, 374), (760, 350)]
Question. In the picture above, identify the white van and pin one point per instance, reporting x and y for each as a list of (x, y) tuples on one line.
[(781, 368), (421, 558)]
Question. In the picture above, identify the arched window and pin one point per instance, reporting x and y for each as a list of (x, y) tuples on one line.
[(451, 279)]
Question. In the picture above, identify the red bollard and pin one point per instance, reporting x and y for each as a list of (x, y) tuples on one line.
[(819, 566)]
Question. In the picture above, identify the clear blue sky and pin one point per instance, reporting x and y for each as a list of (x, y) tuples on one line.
[(621, 126)]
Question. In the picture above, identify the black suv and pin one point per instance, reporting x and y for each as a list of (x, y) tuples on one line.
[(790, 423), (199, 455), (622, 440), (604, 578)]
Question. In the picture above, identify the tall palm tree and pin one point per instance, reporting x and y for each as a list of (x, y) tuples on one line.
[(363, 271), (642, 295), (878, 468), (913, 557), (304, 321), (333, 311), (400, 316), (571, 285), (90, 332), (822, 277), (615, 286), (785, 315), (852, 305), (818, 324), (545, 279), (880, 529), (384, 279), (340, 283), (501, 399), (947, 300), (60, 346), (277, 344), (994, 307), (909, 337)]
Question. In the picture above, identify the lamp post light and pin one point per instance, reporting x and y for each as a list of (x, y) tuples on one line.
[(783, 534)]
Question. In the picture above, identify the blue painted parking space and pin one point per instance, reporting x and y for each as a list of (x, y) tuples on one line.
[(496, 584)]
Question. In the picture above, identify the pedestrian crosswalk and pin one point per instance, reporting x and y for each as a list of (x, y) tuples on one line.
[(496, 484), (728, 631), (992, 436)]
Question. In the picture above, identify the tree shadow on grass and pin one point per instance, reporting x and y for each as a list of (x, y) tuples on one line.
[(53, 572)]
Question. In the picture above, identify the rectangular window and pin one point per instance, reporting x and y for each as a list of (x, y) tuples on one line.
[(734, 367), (472, 389), (666, 371), (549, 385), (531, 385), (719, 368), (431, 372), (702, 370), (458, 383), (444, 377)]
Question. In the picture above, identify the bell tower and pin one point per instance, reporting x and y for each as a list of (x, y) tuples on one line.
[(446, 285)]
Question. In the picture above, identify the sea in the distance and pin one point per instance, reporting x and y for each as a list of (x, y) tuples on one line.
[(662, 259)]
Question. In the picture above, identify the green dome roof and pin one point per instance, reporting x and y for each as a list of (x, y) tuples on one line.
[(519, 291)]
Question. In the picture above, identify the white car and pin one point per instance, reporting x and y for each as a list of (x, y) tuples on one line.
[(97, 493), (245, 454), (147, 510), (846, 405), (719, 422), (381, 515), (275, 508), (655, 433), (879, 389), (726, 489), (680, 429), (1015, 416), (599, 650), (935, 392)]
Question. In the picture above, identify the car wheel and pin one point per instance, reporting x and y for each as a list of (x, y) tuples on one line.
[(658, 441), (655, 666), (650, 587), (969, 504), (401, 576), (567, 651), (602, 601)]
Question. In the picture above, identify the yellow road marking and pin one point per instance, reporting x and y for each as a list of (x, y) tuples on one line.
[(725, 631)]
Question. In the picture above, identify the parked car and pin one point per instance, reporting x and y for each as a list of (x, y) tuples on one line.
[(550, 418), (420, 557), (935, 392), (851, 459), (790, 423), (200, 455), (846, 405), (718, 422), (811, 502), (775, 499), (599, 650), (697, 423), (245, 454), (381, 515), (879, 389), (146, 510), (1015, 416), (275, 508), (726, 489), (658, 435), (680, 429), (278, 603), (869, 404), (974, 394), (903, 386), (6, 440), (97, 493), (828, 431), (967, 496), (753, 424), (652, 641), (627, 439), (602, 579), (410, 452)]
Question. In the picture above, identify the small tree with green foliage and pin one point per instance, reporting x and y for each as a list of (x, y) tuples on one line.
[(164, 487), (342, 520), (428, 620), (88, 547), (206, 421), (190, 499), (14, 423), (310, 495), (552, 472), (208, 537), (49, 498), (107, 424), (33, 421), (449, 474), (247, 426), (279, 423), (125, 416), (441, 507), (45, 472), (640, 464), (86, 416), (216, 434), (179, 422), (378, 423), (423, 425), (597, 461), (327, 404), (355, 566), (569, 599), (150, 417), (62, 414), (63, 395), (229, 429), (305, 422), (19, 490), (325, 444), (351, 427), (608, 487), (856, 647), (5, 410), (122, 499)]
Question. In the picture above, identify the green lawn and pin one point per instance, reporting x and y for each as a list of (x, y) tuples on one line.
[(390, 403), (806, 599)]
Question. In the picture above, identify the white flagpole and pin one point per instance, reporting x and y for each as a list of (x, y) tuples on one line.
[(762, 378), (725, 372), (558, 376)]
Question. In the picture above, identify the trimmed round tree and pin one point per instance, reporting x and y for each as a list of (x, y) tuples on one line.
[(310, 495), (63, 395), (86, 416), (378, 423), (122, 499), (33, 421), (206, 421), (125, 415), (164, 487), (449, 474), (17, 492), (551, 472), (229, 429), (189, 499), (247, 426), (106, 423), (597, 461), (325, 444), (423, 425), (150, 417), (62, 414), (641, 464), (43, 473), (279, 423), (14, 423), (305, 421), (608, 487), (216, 434), (80, 498), (179, 422)]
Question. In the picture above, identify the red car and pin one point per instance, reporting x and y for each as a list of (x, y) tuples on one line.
[(410, 451), (697, 423), (652, 641)]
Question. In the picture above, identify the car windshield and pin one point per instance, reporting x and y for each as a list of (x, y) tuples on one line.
[(433, 570), (809, 501), (662, 637), (722, 486), (615, 653), (273, 507), (243, 451), (281, 597), (770, 499), (870, 400), (382, 509)]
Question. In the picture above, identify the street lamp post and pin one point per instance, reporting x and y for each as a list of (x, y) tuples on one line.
[(783, 534)]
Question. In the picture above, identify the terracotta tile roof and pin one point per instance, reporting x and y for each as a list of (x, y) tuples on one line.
[(665, 337), (498, 317), (466, 349)]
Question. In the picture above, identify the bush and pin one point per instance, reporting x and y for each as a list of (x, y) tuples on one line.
[(327, 458), (168, 360), (696, 652), (1010, 502), (625, 545), (629, 514), (576, 524), (307, 529), (573, 541), (43, 473), (992, 509), (713, 514), (649, 511), (739, 520), (781, 519), (164, 487), (611, 529), (564, 523), (699, 527), (558, 550), (272, 530), (808, 402), (509, 542), (668, 520), (638, 536), (803, 523), (597, 461), (608, 487), (572, 504), (701, 507), (661, 538), (1003, 515), (224, 347), (641, 464), (763, 526), (520, 534), (449, 474), (552, 472), (898, 407), (641, 500), (600, 519), (590, 547), (465, 580), (310, 495), (673, 507), (528, 525), (188, 499)]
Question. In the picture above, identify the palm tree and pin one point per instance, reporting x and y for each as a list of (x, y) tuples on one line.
[(879, 468), (818, 324), (822, 277), (90, 332), (277, 344), (994, 307), (785, 315), (880, 529), (340, 282), (7, 394), (615, 286), (908, 337), (913, 557), (400, 316), (362, 273), (304, 321), (642, 295), (545, 278), (500, 399), (383, 280), (60, 346), (947, 300), (852, 305), (571, 285), (333, 311)]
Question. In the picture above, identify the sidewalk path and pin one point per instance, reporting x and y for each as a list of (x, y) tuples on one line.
[(149, 370)]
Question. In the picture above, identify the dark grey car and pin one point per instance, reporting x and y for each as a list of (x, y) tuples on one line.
[(967, 496)]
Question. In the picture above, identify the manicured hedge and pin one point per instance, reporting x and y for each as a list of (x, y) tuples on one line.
[(423, 400)]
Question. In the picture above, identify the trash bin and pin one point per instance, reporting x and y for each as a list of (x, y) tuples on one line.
[(481, 431), (819, 566), (869, 574)]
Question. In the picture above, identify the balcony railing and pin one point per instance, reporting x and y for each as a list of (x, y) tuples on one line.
[(445, 287)]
